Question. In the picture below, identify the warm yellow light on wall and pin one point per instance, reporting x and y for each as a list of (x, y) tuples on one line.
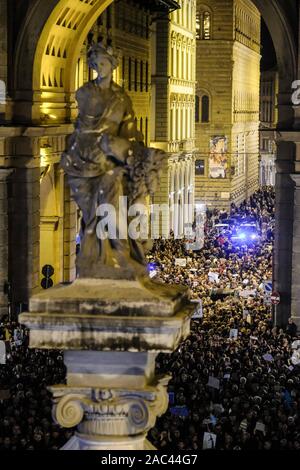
[(46, 112), (45, 153)]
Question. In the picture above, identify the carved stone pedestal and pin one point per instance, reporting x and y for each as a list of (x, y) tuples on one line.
[(112, 394)]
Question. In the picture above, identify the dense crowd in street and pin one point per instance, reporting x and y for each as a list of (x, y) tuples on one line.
[(235, 381), (237, 391), (25, 403)]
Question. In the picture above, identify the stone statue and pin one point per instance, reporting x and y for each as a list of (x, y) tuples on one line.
[(106, 159)]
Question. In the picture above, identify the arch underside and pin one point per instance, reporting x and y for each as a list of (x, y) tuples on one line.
[(53, 35), (52, 38)]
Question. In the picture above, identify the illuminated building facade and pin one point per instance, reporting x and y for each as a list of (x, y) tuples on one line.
[(268, 123), (173, 92), (227, 101)]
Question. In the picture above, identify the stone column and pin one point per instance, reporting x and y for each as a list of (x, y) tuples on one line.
[(24, 240), (4, 174), (295, 304), (282, 269), (4, 101), (111, 332), (70, 220)]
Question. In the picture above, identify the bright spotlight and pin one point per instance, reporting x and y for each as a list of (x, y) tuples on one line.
[(152, 269)]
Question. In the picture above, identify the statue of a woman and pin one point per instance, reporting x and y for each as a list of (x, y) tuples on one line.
[(106, 159)]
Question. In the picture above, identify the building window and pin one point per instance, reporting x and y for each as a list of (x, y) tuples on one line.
[(141, 125), (265, 145), (146, 132), (147, 76), (198, 25), (135, 75), (197, 109), (129, 74), (123, 72), (241, 155), (199, 168), (206, 25), (203, 25), (205, 108), (109, 18), (142, 76)]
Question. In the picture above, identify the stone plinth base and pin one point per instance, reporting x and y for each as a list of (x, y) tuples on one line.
[(111, 334), (78, 442)]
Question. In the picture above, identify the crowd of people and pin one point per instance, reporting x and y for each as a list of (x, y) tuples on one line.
[(25, 403), (234, 385)]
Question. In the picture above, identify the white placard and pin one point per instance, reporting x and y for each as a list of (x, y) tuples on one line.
[(233, 334), (296, 357), (199, 309), (209, 440), (180, 262), (296, 344), (268, 358), (245, 314), (213, 277), (213, 382), (260, 427), (2, 352), (248, 293)]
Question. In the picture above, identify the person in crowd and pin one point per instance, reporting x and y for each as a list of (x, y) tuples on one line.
[(291, 328)]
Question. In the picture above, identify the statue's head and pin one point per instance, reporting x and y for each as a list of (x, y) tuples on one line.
[(102, 59)]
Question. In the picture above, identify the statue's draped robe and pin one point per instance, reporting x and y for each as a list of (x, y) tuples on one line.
[(97, 178)]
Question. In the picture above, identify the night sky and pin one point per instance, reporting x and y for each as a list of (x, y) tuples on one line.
[(268, 60)]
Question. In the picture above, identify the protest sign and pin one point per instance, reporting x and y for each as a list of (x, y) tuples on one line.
[(295, 359), (2, 352), (248, 293), (296, 344), (213, 382), (180, 262), (213, 277), (245, 314), (268, 358), (199, 309), (209, 440), (260, 427), (233, 334)]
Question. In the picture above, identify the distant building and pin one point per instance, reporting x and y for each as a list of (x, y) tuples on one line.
[(269, 118), (173, 104), (227, 101)]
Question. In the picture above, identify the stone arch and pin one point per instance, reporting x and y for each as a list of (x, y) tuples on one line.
[(53, 33), (47, 48), (286, 51)]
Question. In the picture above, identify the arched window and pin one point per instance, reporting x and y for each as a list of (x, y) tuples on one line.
[(206, 25), (205, 108), (197, 109), (203, 25)]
